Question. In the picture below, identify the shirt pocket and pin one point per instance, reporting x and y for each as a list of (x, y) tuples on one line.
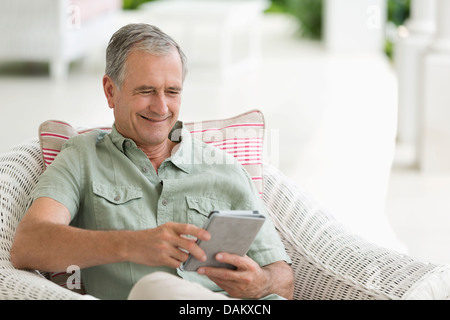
[(117, 207), (199, 208)]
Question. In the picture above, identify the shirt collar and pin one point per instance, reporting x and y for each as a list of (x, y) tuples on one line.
[(119, 140), (181, 156)]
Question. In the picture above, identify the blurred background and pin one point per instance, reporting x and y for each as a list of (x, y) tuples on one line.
[(355, 93)]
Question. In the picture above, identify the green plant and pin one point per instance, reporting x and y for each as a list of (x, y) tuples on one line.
[(133, 4), (307, 12), (309, 16), (277, 6), (398, 13)]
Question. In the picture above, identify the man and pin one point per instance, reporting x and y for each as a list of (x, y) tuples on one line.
[(121, 205)]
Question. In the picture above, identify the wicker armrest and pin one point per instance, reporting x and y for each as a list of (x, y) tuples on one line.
[(19, 172), (331, 263), (30, 285)]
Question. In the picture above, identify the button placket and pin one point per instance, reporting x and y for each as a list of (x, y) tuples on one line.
[(165, 213)]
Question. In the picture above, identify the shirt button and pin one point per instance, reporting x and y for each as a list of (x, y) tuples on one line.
[(164, 202), (145, 169), (116, 198), (127, 144)]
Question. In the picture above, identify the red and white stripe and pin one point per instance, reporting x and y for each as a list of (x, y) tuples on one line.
[(49, 155), (242, 125)]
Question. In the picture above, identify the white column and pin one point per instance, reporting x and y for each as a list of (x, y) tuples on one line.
[(354, 25), (409, 48), (422, 17), (441, 42), (435, 118)]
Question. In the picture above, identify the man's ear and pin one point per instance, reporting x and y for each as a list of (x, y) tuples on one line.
[(110, 89)]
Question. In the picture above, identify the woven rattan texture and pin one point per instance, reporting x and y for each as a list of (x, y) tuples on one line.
[(331, 263), (19, 172), (328, 261)]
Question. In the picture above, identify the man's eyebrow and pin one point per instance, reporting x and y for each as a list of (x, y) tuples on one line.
[(146, 88), (143, 88), (175, 88)]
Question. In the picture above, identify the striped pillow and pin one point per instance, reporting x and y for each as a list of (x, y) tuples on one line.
[(53, 134), (242, 136)]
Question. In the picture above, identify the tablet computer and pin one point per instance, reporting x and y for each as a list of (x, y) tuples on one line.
[(231, 231)]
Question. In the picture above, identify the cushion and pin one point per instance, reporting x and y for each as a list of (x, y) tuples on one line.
[(53, 134), (242, 136)]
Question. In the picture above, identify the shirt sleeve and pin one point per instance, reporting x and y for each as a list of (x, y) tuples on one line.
[(61, 180)]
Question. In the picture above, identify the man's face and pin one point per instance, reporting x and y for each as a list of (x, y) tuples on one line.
[(147, 106)]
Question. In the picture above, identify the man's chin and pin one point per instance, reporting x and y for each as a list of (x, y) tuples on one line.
[(153, 138)]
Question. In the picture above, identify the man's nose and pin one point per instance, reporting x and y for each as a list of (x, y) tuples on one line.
[(159, 104)]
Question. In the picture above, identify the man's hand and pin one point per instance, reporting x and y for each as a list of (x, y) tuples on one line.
[(249, 280), (168, 245)]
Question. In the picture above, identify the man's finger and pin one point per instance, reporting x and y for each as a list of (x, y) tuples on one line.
[(190, 229), (233, 259)]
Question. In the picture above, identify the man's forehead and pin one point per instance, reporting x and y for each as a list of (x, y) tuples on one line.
[(140, 53), (141, 64)]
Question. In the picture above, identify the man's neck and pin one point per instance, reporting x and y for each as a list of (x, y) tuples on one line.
[(157, 154)]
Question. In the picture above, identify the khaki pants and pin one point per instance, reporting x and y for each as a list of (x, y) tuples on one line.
[(166, 286)]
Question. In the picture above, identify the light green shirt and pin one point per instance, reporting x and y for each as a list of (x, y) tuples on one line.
[(107, 183)]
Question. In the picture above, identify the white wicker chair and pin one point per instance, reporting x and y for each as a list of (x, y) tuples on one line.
[(329, 262)]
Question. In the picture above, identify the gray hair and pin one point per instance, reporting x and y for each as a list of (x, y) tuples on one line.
[(137, 36)]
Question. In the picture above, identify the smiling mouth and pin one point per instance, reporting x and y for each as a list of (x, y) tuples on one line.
[(153, 120)]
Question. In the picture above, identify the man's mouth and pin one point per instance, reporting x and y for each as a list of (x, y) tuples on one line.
[(153, 120)]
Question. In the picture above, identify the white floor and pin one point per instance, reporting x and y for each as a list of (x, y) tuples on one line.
[(331, 123)]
